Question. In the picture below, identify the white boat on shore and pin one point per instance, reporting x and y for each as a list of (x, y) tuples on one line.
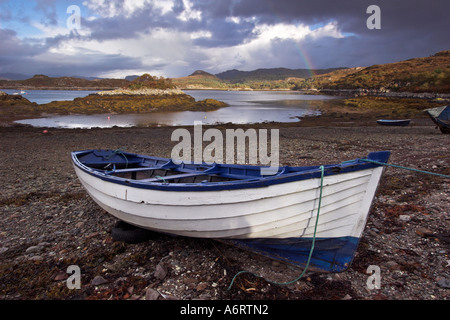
[(274, 215)]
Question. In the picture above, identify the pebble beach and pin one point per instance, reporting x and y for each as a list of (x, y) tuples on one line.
[(48, 222)]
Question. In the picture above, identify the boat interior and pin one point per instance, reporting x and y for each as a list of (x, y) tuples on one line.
[(152, 169), (171, 173)]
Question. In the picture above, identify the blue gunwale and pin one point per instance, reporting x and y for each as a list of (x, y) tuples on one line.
[(248, 176)]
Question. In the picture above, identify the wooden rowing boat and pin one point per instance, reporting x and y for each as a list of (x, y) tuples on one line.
[(273, 215)]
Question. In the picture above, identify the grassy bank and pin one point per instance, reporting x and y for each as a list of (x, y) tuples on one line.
[(378, 107)]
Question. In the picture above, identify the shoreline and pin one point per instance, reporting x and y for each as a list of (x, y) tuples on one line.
[(329, 119), (339, 111), (324, 91)]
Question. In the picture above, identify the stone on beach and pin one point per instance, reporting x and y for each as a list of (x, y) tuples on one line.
[(98, 280)]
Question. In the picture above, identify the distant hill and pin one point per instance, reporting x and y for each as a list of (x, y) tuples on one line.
[(131, 78), (45, 82), (260, 79), (428, 74), (147, 81), (200, 79), (327, 79), (20, 76), (202, 74), (235, 76), (13, 76)]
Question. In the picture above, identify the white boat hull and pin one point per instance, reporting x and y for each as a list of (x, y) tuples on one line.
[(276, 211)]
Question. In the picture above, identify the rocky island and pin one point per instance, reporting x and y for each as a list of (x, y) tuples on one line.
[(144, 94)]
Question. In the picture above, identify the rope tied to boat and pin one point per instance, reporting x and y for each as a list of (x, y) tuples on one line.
[(317, 219), (119, 152), (322, 170), (163, 180), (406, 168)]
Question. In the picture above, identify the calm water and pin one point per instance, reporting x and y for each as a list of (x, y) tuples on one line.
[(244, 107), (46, 96)]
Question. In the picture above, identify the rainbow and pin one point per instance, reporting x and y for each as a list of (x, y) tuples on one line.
[(306, 59), (301, 51)]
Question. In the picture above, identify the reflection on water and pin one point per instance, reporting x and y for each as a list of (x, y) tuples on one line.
[(244, 107), (46, 96)]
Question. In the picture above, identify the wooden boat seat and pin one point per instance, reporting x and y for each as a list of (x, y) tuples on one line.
[(175, 176), (135, 169)]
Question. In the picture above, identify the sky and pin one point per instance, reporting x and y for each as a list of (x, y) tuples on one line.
[(173, 38)]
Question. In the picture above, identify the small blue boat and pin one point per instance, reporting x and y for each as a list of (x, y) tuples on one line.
[(280, 216), (398, 123)]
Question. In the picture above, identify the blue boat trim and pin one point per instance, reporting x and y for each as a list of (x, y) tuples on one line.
[(92, 162), (330, 255)]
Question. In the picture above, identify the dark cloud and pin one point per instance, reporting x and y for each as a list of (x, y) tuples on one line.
[(91, 63), (126, 27), (401, 20), (58, 65), (24, 57), (226, 34), (350, 14), (409, 29), (12, 48)]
